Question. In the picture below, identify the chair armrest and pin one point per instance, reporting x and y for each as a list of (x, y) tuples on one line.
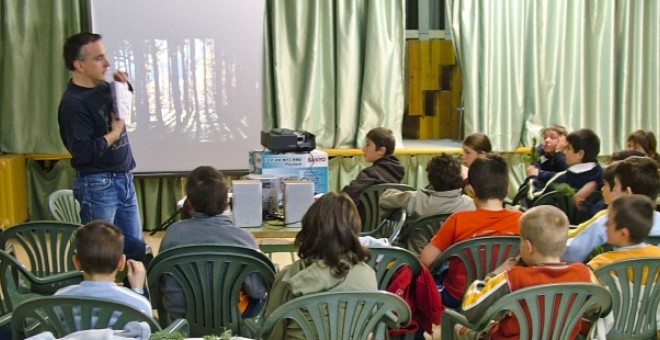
[(50, 284), (179, 325), (450, 318)]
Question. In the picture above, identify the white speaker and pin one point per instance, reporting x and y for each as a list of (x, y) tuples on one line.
[(247, 205), (298, 196)]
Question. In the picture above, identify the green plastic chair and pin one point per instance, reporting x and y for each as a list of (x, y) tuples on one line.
[(64, 206), (390, 227), (416, 235), (211, 277), (370, 211), (480, 255), (48, 246), (341, 315), (63, 315), (12, 294), (555, 310), (635, 288), (386, 261)]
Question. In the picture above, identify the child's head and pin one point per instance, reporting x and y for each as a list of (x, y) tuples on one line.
[(330, 231), (379, 142), (583, 147), (474, 146), (636, 175), (644, 141), (444, 173), (551, 137), (623, 154), (489, 177), (608, 182), (544, 230), (99, 248), (629, 220), (206, 190)]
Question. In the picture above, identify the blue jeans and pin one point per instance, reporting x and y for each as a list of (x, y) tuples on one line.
[(111, 197)]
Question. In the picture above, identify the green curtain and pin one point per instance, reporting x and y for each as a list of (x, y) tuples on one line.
[(32, 71), (334, 68), (527, 64)]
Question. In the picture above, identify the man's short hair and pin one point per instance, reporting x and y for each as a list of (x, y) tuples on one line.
[(444, 173), (634, 212), (72, 50), (382, 137), (586, 140), (489, 177), (546, 227), (206, 190), (640, 174), (99, 247)]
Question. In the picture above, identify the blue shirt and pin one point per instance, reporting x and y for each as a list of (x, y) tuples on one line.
[(108, 291), (579, 247)]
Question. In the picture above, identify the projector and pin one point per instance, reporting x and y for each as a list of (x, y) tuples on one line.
[(288, 140)]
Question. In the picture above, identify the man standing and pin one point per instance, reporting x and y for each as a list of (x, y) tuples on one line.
[(97, 140)]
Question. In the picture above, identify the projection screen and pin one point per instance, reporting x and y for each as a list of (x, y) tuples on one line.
[(196, 69)]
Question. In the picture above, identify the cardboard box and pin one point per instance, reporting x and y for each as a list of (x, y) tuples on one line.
[(312, 166)]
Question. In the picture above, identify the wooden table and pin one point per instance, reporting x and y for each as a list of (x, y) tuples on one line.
[(275, 237)]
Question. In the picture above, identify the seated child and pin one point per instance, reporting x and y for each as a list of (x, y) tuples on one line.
[(206, 192), (634, 175), (584, 174), (386, 168), (489, 180), (444, 195), (100, 255), (551, 151), (331, 258), (474, 146), (630, 218), (644, 141), (543, 231)]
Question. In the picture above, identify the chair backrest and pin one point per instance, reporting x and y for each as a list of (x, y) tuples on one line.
[(63, 315), (635, 288), (416, 235), (211, 277), (654, 240), (369, 203), (18, 284), (550, 311), (48, 245), (342, 315), (480, 255), (64, 206), (562, 201), (390, 227), (386, 261)]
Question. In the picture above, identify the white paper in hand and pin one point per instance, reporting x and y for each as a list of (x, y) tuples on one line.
[(123, 101)]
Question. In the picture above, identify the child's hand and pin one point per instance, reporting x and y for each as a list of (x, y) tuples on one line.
[(532, 171), (561, 144), (136, 274)]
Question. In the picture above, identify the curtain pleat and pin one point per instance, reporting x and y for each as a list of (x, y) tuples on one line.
[(32, 35), (527, 64), (335, 68)]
